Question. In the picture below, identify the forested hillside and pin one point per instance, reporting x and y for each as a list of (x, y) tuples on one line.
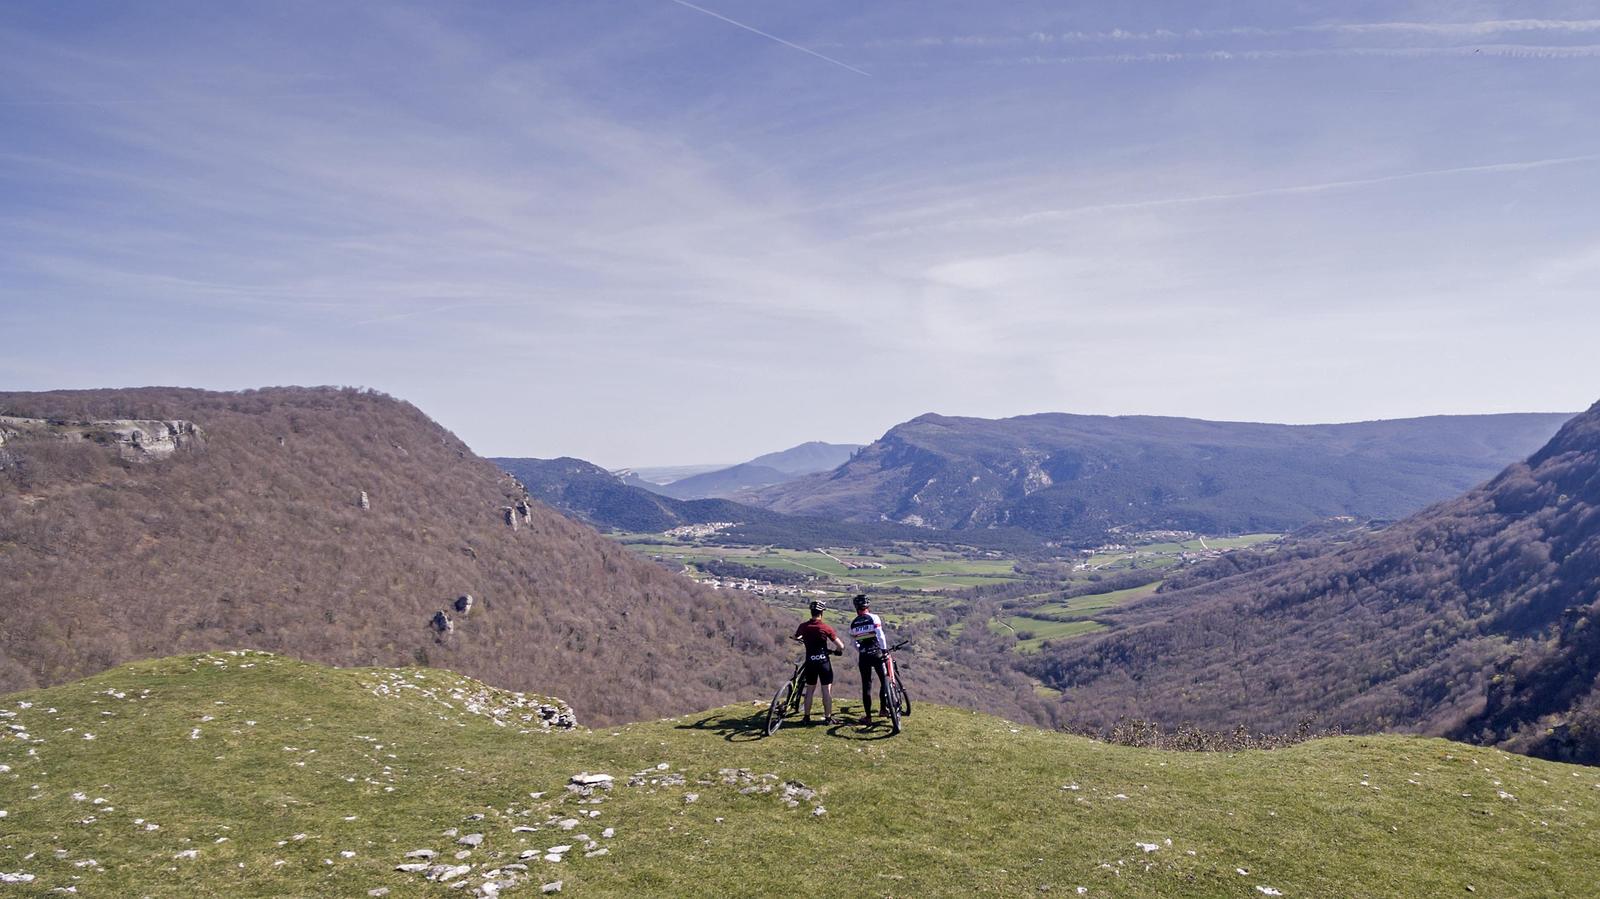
[(1079, 476), (1478, 618), (254, 535)]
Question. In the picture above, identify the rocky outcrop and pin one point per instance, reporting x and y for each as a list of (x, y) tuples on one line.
[(511, 516), (363, 502), (135, 440), (442, 623), (464, 603)]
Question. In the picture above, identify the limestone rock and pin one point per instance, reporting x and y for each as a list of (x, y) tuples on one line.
[(442, 623)]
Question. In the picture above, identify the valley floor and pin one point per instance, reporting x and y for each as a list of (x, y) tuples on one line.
[(244, 774)]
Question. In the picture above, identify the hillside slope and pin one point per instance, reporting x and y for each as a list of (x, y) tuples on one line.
[(1081, 475), (252, 775), (763, 471), (253, 535), (593, 495), (1477, 618)]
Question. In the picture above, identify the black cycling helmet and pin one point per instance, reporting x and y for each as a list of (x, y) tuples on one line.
[(860, 601), (818, 605)]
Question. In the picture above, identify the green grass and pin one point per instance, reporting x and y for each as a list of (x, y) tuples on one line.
[(959, 804), (1042, 630), (1078, 609)]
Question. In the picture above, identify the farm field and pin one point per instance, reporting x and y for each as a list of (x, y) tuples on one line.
[(914, 585), (1067, 618)]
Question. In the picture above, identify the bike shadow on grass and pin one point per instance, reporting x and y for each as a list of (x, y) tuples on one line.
[(732, 727), (737, 728)]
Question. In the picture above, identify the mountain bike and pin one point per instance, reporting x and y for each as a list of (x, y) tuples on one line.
[(893, 698), (786, 702), (894, 677)]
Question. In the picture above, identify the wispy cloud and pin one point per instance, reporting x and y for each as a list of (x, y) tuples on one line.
[(1043, 216), (1510, 51), (1473, 29)]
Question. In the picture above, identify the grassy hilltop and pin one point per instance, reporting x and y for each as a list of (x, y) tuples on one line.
[(245, 774)]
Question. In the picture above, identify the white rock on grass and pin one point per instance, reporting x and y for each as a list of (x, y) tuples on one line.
[(1268, 891), (691, 797), (567, 823), (421, 853), (1148, 847), (380, 891), (471, 839), (413, 867), (547, 888), (596, 853), (188, 853), (589, 780), (20, 877)]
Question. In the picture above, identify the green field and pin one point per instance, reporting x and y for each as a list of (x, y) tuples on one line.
[(918, 582), (256, 776), (1032, 632)]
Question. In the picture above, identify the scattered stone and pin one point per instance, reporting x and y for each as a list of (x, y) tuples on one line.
[(421, 853), (20, 877), (442, 873), (188, 853), (464, 603), (530, 853), (560, 849), (608, 833), (1147, 847), (591, 780), (552, 857), (691, 797), (547, 888), (569, 823), (413, 867), (1268, 891), (596, 853), (380, 891), (442, 623), (361, 501), (465, 853), (523, 828), (819, 810), (471, 839)]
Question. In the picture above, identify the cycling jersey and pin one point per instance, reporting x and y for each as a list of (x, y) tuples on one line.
[(816, 633), (867, 629)]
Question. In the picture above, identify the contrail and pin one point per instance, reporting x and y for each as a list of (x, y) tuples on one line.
[(772, 37)]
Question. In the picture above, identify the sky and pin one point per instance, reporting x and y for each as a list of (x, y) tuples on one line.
[(659, 232)]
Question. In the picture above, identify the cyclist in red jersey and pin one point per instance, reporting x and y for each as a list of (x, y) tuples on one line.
[(821, 641)]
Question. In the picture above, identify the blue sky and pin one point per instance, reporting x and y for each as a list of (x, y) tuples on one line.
[(640, 233)]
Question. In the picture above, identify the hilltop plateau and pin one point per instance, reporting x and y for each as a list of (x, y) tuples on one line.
[(243, 774)]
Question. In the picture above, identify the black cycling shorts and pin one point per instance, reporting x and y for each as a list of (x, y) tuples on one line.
[(818, 669)]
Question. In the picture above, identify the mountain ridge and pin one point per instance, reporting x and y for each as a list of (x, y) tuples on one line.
[(1079, 476), (1474, 618)]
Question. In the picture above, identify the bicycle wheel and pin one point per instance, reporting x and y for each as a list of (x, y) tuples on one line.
[(905, 698), (779, 706), (892, 704)]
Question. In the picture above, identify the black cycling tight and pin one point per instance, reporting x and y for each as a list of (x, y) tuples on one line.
[(868, 662)]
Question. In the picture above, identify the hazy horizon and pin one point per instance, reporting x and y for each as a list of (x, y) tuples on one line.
[(665, 233)]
